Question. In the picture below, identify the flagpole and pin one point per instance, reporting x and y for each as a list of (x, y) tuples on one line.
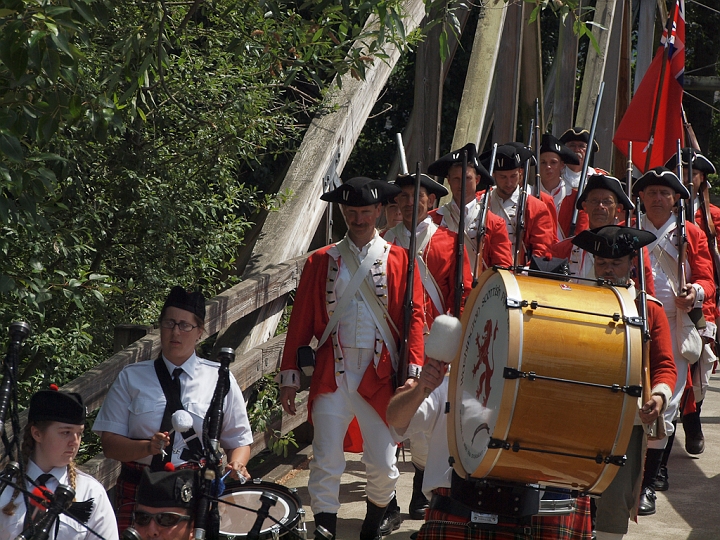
[(658, 98)]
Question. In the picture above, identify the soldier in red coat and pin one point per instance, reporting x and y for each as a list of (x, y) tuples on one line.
[(577, 139), (614, 249), (553, 157), (539, 233), (437, 263), (602, 199), (706, 215), (497, 248), (350, 298), (660, 190)]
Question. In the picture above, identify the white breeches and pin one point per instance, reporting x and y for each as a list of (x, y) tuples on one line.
[(331, 415)]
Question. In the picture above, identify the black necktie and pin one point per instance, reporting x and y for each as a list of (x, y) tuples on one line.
[(177, 391), (30, 512)]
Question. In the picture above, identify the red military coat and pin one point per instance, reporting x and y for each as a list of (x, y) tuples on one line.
[(310, 317), (565, 215), (497, 250), (441, 262)]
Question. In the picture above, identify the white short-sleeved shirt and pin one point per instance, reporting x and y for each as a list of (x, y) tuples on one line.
[(431, 418), (102, 519), (135, 404)]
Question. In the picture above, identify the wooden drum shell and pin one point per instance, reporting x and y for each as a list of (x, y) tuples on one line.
[(537, 414)]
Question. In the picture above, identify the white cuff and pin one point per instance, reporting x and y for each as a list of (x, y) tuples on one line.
[(699, 295), (665, 392), (289, 377), (709, 331)]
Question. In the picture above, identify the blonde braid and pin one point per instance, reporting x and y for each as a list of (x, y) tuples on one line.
[(72, 476), (27, 449)]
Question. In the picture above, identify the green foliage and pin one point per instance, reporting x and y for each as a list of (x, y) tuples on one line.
[(138, 142), (263, 410)]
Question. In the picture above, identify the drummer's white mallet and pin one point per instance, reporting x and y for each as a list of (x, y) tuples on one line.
[(181, 422), (443, 341)]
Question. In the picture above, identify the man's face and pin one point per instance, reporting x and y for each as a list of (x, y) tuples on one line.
[(506, 182), (659, 202), (550, 166), (698, 178), (361, 219), (393, 216), (579, 147), (405, 202), (454, 178), (615, 270), (601, 206), (146, 518)]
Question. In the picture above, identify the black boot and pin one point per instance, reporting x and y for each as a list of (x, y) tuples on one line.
[(371, 526), (418, 502), (694, 438), (653, 458), (392, 520), (329, 522), (662, 480)]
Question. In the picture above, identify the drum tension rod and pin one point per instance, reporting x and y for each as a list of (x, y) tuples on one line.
[(512, 373), (534, 304), (497, 444)]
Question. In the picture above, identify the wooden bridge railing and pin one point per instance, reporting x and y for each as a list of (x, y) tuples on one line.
[(254, 292)]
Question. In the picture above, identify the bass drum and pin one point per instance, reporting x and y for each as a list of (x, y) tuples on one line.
[(541, 391), (236, 522)]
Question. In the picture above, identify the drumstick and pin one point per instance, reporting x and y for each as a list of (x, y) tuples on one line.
[(241, 478)]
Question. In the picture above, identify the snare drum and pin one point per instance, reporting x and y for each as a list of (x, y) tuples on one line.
[(544, 388), (237, 522)]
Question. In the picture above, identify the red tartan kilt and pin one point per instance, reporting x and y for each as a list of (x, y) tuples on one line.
[(576, 526)]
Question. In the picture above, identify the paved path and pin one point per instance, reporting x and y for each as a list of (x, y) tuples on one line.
[(690, 510)]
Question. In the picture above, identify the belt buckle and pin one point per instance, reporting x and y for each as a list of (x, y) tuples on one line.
[(479, 517)]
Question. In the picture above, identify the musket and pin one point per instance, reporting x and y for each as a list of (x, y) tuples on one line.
[(521, 208), (706, 223), (481, 235), (628, 183), (408, 305), (460, 248), (645, 379), (586, 161), (401, 153), (537, 147), (681, 231)]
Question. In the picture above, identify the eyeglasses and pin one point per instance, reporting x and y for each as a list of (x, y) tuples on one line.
[(598, 202), (164, 519), (184, 326)]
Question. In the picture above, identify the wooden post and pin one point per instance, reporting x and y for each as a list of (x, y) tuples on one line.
[(645, 39), (531, 80), (596, 60), (565, 77), (507, 76), (327, 143), (474, 102), (624, 83)]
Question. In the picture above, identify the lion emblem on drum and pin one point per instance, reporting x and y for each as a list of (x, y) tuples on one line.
[(485, 359)]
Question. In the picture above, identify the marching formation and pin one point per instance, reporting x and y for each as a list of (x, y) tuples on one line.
[(430, 332)]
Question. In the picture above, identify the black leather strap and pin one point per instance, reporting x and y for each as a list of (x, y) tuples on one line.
[(171, 389)]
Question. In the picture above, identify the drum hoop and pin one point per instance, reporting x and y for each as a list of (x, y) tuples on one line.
[(289, 498)]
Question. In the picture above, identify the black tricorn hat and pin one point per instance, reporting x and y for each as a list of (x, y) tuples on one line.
[(361, 191), (613, 242), (551, 144), (601, 181), (579, 134), (660, 176), (55, 406), (507, 158), (163, 489), (523, 151), (442, 165), (699, 162), (194, 302), (432, 187)]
